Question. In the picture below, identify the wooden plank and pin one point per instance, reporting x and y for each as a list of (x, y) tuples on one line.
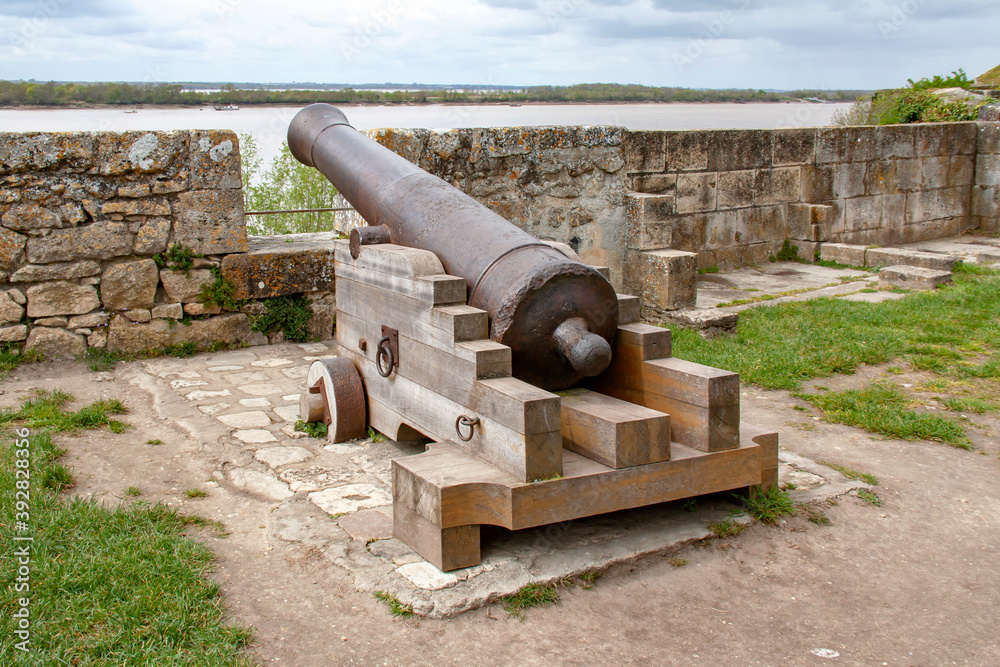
[(435, 290), (768, 441), (628, 309), (492, 359), (389, 258), (517, 405), (594, 489), (410, 316), (526, 456), (704, 429), (678, 379), (654, 342), (461, 321), (446, 549), (613, 432)]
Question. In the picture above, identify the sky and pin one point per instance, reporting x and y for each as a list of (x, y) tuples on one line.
[(772, 44)]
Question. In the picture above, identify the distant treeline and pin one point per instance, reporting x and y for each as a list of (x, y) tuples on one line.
[(65, 94)]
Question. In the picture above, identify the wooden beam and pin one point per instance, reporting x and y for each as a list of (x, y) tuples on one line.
[(613, 432)]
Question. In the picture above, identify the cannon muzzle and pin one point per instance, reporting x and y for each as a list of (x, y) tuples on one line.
[(557, 315)]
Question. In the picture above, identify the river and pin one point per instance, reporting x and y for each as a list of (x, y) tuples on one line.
[(269, 124)]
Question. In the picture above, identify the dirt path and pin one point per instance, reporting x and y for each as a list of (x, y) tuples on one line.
[(914, 582)]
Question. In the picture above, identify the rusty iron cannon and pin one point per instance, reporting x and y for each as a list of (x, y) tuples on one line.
[(454, 325), (557, 315)]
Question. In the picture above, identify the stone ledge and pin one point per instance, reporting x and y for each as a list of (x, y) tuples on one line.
[(273, 266), (876, 257), (912, 277)]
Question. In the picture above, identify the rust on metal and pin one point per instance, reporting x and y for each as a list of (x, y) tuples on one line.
[(368, 236), (339, 383), (388, 347), (467, 422), (528, 288)]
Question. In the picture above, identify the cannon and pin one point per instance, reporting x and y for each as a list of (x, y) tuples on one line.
[(544, 397)]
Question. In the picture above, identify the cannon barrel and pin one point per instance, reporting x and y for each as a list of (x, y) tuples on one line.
[(557, 315)]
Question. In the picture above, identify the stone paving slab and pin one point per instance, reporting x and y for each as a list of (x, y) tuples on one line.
[(337, 497)]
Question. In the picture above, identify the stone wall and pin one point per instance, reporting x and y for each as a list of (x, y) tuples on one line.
[(986, 195), (642, 202), (82, 216)]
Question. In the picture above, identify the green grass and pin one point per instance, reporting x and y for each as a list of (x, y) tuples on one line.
[(851, 473), (316, 430), (396, 608), (109, 586), (816, 516), (727, 528), (768, 506), (678, 562), (530, 595), (196, 493), (781, 346), (882, 408), (45, 410), (588, 578), (963, 404), (375, 436), (133, 491), (870, 497), (156, 441), (11, 357)]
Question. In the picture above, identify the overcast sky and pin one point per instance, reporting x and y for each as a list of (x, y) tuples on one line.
[(782, 44)]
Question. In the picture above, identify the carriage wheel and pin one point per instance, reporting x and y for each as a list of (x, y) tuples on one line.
[(338, 382)]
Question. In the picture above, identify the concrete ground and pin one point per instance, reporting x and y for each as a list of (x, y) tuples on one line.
[(915, 581)]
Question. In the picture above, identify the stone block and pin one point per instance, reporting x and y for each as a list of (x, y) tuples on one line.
[(937, 204), (654, 184), (696, 192), (935, 139), (688, 150), (687, 232), (735, 189), (134, 190), (988, 170), (100, 240), (934, 172), (13, 334), (139, 152), (732, 150), (51, 321), (774, 186), (168, 311), (215, 160), (152, 236), (896, 141), (279, 269), (962, 171), (31, 273), (129, 285), (807, 250), (794, 146), (210, 221), (11, 246), (880, 177), (809, 222), (863, 213), (231, 328), (151, 206), (60, 297), (662, 279), (138, 315), (648, 221), (908, 175), (986, 201), (721, 228), (761, 223), (185, 287), (30, 217), (912, 277), (98, 339), (842, 253), (818, 183), (55, 343), (10, 311), (88, 321), (849, 180), (847, 144), (40, 151), (876, 257), (198, 309), (893, 216), (18, 296), (988, 138), (644, 151), (168, 186)]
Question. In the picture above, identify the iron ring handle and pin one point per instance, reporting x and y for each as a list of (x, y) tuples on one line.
[(384, 351), (466, 421)]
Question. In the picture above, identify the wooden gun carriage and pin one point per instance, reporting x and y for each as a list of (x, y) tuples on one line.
[(545, 397)]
